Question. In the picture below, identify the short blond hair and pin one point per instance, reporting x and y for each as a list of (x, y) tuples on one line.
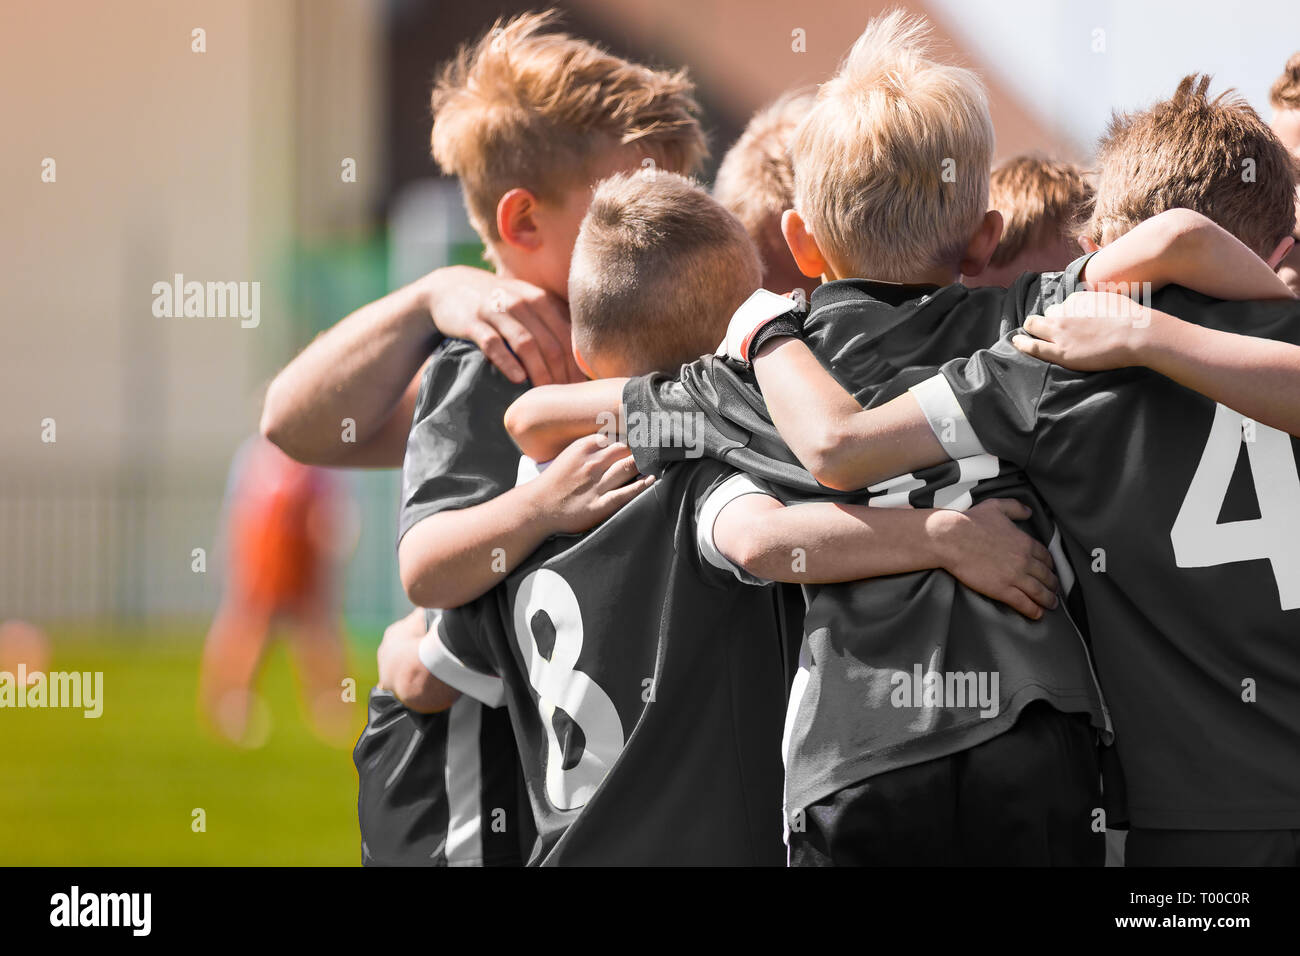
[(1041, 201), (526, 108), (1285, 94), (755, 179), (658, 269), (1191, 152), (891, 167)]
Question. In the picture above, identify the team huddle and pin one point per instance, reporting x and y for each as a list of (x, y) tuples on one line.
[(877, 508)]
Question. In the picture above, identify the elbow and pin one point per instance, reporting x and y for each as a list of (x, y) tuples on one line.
[(828, 458), (427, 585), (277, 426), (1181, 230), (521, 424), (273, 425), (753, 552), (419, 590)]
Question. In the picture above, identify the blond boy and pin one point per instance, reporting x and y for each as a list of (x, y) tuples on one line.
[(528, 119), (1193, 572)]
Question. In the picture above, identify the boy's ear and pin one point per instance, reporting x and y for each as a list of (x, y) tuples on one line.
[(1087, 245), (517, 220), (983, 244), (1280, 252), (807, 254), (582, 363)]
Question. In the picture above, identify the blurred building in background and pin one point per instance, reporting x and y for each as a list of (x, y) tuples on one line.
[(148, 139)]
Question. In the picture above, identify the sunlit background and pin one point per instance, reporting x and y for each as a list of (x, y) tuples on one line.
[(226, 165)]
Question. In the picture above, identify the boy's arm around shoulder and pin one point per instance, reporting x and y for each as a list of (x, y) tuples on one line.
[(1182, 247), (546, 420)]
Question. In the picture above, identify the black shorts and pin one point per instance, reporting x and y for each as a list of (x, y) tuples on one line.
[(1212, 847), (1028, 797), (401, 802)]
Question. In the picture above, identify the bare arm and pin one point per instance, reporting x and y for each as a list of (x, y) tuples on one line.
[(826, 427), (452, 557), (361, 369), (1182, 247), (1259, 378), (982, 548), (543, 421), (366, 367)]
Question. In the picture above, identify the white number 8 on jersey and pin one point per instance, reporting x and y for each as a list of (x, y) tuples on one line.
[(560, 686)]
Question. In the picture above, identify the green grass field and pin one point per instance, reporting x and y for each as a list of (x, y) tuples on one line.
[(121, 789)]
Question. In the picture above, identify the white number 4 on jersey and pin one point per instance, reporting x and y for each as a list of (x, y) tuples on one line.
[(1201, 542)]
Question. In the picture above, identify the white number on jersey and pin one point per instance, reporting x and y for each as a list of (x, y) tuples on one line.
[(1201, 542), (896, 492), (558, 685)]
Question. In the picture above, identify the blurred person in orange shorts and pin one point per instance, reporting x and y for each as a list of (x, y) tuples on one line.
[(283, 524)]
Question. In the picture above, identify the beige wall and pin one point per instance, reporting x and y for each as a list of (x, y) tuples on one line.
[(168, 161)]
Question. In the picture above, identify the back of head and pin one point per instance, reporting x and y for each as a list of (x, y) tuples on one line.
[(658, 270), (892, 164), (755, 182), (1285, 94), (1041, 201), (756, 178), (1285, 98), (1213, 156), (528, 108)]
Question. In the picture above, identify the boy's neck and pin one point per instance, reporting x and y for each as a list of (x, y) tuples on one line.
[(940, 276)]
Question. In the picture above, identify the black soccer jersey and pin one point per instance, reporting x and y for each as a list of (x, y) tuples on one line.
[(646, 689), (903, 668), (447, 788), (1183, 521), (434, 789), (459, 453)]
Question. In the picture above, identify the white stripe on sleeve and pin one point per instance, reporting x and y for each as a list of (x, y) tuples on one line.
[(947, 420), (737, 486), (451, 670)]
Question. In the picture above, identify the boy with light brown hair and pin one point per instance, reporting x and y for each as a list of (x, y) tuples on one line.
[(1285, 99), (528, 119), (1042, 202), (755, 182)]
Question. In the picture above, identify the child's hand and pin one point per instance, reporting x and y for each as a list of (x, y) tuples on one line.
[(588, 482), (1090, 332), (523, 330), (403, 674), (989, 554)]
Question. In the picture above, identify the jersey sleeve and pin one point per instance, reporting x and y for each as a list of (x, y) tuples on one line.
[(451, 652), (458, 453), (719, 495), (1050, 288), (667, 420), (986, 404), (712, 410)]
